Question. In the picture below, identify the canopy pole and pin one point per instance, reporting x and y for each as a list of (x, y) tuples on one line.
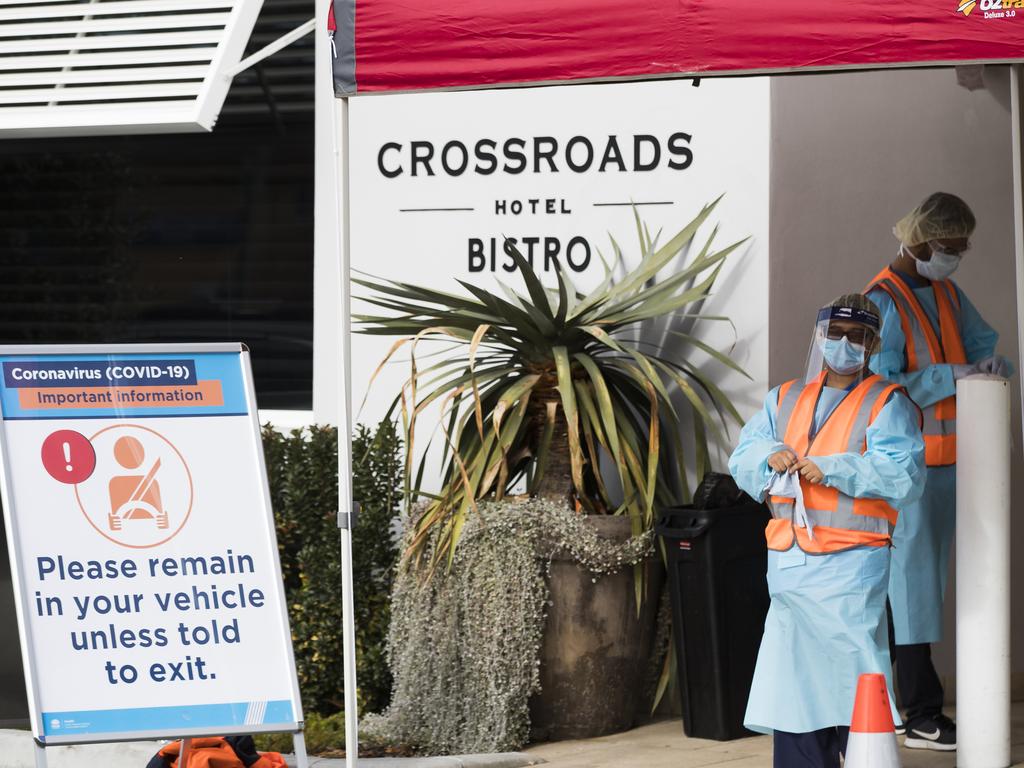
[(331, 238), (346, 504)]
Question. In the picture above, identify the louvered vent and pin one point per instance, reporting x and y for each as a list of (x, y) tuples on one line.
[(117, 66)]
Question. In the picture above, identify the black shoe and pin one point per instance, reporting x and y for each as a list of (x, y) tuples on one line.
[(937, 733), (901, 729)]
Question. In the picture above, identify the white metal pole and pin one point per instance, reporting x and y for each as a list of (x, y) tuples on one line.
[(983, 572), (327, 374), (331, 225), (346, 506)]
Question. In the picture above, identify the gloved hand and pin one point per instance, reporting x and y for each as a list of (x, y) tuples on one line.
[(782, 461), (960, 370), (997, 365), (810, 471)]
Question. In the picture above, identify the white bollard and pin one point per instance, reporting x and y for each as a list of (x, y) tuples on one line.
[(983, 572)]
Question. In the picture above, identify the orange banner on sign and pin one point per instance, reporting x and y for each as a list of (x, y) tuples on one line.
[(208, 393)]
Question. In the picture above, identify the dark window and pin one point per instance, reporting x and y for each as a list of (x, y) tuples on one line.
[(194, 237)]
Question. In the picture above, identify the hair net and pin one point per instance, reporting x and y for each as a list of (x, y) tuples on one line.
[(939, 217)]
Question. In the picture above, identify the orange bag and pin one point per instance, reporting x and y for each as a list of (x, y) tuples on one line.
[(213, 752)]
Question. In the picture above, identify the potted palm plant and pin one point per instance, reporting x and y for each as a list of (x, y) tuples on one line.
[(555, 393)]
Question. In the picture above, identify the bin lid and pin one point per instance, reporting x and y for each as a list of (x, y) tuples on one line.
[(687, 522)]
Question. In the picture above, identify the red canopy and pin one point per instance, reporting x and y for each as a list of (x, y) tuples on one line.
[(398, 45)]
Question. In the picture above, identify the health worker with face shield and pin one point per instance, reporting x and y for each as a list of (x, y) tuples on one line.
[(837, 453), (931, 336)]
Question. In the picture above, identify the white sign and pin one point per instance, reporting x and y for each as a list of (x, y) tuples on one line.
[(438, 180), (145, 563)]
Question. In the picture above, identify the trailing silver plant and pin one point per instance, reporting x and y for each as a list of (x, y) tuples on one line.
[(464, 645)]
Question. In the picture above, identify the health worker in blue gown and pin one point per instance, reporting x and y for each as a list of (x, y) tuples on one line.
[(932, 335), (836, 453)]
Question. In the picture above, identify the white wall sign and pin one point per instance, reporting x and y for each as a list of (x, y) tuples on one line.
[(142, 541), (438, 180)]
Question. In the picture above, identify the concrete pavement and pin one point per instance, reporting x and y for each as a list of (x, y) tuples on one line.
[(663, 745), (16, 752), (502, 760), (660, 745)]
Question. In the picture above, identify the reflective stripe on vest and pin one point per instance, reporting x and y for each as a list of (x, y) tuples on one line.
[(788, 395), (838, 521), (924, 348)]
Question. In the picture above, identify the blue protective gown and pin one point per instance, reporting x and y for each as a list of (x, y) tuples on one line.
[(826, 625), (924, 533)]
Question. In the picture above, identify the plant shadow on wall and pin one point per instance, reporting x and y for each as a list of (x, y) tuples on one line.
[(526, 600)]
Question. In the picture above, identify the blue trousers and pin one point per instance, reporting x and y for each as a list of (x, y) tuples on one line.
[(817, 749)]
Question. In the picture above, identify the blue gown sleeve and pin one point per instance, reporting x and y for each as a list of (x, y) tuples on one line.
[(892, 468), (926, 386), (749, 462), (980, 338)]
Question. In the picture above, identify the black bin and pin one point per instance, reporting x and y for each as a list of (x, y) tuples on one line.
[(717, 564)]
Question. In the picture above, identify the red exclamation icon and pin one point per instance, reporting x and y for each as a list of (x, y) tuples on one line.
[(68, 456)]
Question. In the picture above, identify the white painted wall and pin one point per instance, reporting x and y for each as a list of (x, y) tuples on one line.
[(727, 121)]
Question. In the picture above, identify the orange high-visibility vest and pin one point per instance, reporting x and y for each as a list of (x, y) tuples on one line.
[(924, 348), (839, 521)]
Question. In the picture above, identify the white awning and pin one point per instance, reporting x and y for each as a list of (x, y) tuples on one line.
[(118, 66)]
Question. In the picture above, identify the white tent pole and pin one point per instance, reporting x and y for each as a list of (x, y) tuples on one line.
[(327, 374), (331, 240), (346, 505)]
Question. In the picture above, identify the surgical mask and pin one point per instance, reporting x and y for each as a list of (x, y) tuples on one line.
[(941, 265), (843, 356)]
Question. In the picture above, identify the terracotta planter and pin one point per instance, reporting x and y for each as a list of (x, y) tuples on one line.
[(596, 648)]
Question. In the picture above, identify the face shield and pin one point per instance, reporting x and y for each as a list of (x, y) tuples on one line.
[(843, 341)]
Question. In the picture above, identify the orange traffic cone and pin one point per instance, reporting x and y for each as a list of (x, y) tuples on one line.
[(872, 734)]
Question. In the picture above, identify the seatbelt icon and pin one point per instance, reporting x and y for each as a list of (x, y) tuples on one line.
[(135, 503)]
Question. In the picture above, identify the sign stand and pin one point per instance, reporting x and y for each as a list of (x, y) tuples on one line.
[(299, 745)]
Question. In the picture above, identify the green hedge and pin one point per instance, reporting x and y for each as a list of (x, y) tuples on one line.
[(302, 468)]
